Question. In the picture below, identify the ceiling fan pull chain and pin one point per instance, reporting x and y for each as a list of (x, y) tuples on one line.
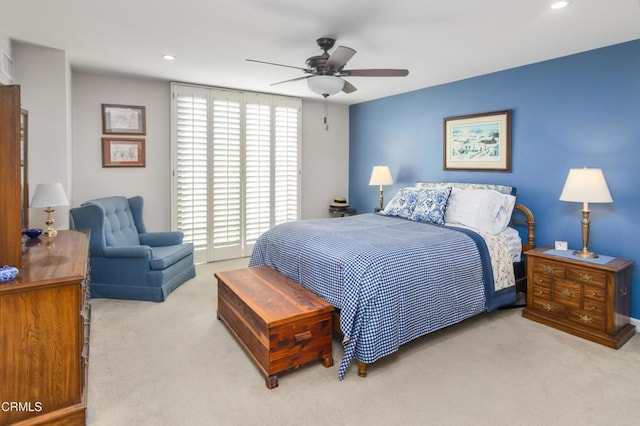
[(326, 112)]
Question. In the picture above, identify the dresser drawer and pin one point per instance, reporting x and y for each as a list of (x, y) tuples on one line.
[(586, 276), (568, 293), (548, 307), (548, 268), (586, 318)]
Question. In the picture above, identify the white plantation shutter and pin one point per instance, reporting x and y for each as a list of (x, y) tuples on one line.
[(236, 167), (287, 153), (226, 181), (258, 195), (190, 153)]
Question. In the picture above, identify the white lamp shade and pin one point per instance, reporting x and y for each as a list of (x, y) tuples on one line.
[(381, 175), (49, 195), (325, 84), (586, 186)]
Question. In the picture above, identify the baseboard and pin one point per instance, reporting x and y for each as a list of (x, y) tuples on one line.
[(635, 322)]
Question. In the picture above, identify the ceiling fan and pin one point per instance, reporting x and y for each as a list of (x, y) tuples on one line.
[(325, 71)]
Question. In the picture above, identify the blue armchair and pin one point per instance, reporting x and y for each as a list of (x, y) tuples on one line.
[(127, 262)]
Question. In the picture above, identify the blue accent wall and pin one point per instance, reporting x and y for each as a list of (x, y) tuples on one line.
[(569, 112)]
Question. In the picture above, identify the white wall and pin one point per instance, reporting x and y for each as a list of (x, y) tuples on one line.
[(325, 158), (5, 46), (90, 179), (43, 75)]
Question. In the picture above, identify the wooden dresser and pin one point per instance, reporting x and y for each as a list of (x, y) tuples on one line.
[(44, 334), (583, 298)]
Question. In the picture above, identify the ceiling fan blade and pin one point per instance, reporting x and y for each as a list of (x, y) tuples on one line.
[(348, 87), (339, 58), (290, 80), (279, 65), (380, 72)]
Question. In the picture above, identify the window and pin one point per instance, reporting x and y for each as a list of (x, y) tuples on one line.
[(236, 159)]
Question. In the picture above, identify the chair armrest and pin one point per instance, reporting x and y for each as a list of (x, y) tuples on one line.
[(127, 252), (160, 239)]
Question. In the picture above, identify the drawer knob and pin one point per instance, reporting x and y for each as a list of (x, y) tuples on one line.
[(301, 337), (540, 292), (540, 280), (566, 293), (585, 277), (585, 319), (547, 307), (547, 268)]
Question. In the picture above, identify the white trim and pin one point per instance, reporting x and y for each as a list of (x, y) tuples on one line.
[(6, 65), (635, 322)]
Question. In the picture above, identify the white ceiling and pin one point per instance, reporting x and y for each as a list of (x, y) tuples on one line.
[(438, 41)]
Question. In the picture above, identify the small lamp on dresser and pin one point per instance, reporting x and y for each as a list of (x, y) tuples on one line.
[(49, 195), (586, 186), (381, 175)]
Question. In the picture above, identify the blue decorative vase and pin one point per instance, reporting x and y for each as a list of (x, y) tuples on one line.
[(33, 233), (7, 273)]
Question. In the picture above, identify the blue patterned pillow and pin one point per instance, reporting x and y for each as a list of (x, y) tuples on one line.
[(431, 206), (402, 204)]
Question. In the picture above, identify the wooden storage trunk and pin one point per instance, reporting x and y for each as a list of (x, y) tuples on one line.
[(280, 324)]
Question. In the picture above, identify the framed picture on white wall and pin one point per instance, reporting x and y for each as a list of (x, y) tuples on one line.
[(123, 120)]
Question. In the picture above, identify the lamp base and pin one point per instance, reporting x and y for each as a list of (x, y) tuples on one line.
[(585, 253), (50, 231)]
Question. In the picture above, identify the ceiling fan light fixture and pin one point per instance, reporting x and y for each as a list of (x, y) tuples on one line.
[(325, 85)]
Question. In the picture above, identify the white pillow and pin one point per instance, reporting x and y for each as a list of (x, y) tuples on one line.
[(483, 209)]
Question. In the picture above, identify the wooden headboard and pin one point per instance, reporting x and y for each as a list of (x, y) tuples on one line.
[(522, 217)]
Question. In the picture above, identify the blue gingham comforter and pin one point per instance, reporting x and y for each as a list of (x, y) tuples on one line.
[(393, 280)]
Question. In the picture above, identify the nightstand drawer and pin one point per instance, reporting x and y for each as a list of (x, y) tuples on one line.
[(542, 280), (541, 291), (548, 268), (588, 318), (567, 293), (548, 307), (594, 293), (594, 307), (586, 276)]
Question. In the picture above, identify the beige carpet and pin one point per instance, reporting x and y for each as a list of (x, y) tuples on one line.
[(174, 363)]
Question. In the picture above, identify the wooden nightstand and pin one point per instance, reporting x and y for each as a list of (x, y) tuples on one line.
[(339, 212), (583, 298)]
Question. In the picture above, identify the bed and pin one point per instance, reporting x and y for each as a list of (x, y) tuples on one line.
[(438, 253)]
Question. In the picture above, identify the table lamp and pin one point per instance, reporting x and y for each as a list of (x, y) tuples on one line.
[(381, 175), (49, 195), (586, 186)]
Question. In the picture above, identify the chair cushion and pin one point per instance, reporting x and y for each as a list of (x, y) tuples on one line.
[(120, 228), (165, 256)]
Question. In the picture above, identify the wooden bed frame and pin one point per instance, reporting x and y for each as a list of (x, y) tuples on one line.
[(520, 218)]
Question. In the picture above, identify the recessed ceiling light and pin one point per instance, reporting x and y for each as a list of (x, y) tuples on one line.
[(168, 57), (559, 4)]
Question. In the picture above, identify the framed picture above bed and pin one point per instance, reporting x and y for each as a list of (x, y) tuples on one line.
[(478, 142)]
